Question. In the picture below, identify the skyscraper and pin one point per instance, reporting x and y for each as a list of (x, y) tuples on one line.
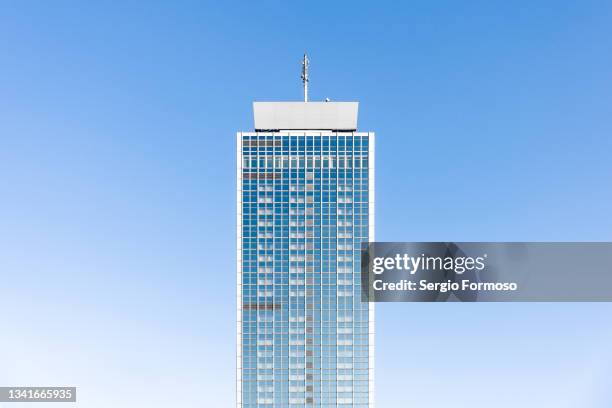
[(305, 191)]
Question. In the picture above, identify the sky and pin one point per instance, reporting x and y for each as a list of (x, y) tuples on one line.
[(117, 185)]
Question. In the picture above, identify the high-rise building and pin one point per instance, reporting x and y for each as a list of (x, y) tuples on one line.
[(305, 192)]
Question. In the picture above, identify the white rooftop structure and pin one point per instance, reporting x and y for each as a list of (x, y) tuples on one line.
[(305, 115)]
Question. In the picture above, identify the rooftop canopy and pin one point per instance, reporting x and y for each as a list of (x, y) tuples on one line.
[(305, 115)]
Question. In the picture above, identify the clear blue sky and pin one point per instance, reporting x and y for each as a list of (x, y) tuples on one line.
[(117, 189)]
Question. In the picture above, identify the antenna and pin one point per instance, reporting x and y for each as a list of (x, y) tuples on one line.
[(305, 65)]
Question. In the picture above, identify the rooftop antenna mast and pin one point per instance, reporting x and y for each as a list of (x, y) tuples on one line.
[(305, 65)]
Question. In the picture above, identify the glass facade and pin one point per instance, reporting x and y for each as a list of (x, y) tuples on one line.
[(305, 204)]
